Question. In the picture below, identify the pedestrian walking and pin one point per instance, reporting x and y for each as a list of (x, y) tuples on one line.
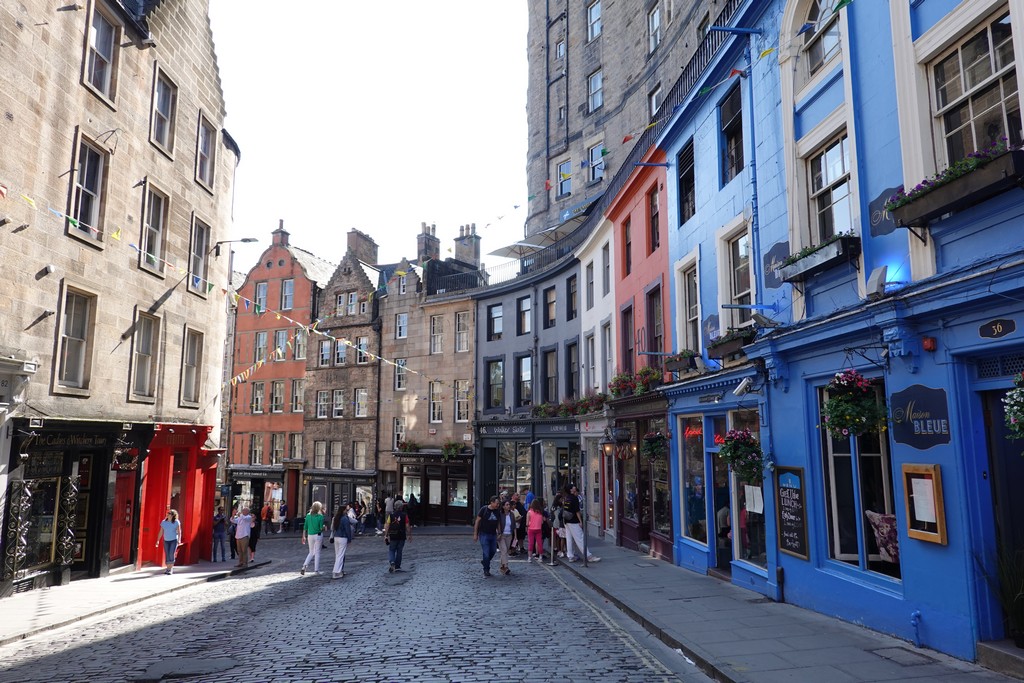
[(243, 525), (379, 514), (485, 530), (282, 512), (413, 507), (558, 526), (170, 532), (254, 538), (220, 533), (313, 536), (267, 515), (396, 533), (519, 512), (535, 530), (507, 526), (573, 523), (231, 531), (341, 536)]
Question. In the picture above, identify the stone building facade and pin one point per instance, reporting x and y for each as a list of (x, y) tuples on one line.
[(115, 188)]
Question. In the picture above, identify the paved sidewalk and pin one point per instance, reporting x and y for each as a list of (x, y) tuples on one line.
[(737, 635)]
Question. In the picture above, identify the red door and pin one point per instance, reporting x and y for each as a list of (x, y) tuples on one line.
[(121, 526)]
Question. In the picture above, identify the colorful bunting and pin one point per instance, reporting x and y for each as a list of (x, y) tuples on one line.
[(766, 53), (737, 72), (840, 5), (805, 28)]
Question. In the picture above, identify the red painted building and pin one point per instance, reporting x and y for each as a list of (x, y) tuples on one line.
[(268, 369)]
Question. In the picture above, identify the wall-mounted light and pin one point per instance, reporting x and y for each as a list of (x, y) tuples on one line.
[(216, 246)]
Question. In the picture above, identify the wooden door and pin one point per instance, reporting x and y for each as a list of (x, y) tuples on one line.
[(121, 524)]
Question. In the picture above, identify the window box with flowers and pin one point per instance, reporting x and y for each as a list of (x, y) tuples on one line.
[(647, 378), (408, 447), (681, 362), (1013, 410), (654, 446), (450, 450), (741, 450), (842, 247), (732, 343), (545, 410), (852, 407), (969, 181), (591, 403), (622, 384)]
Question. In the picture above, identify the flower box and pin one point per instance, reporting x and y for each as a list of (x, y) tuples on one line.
[(731, 343), (1002, 173), (842, 250), (680, 364)]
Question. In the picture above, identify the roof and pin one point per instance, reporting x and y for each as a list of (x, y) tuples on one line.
[(317, 269), (238, 279)]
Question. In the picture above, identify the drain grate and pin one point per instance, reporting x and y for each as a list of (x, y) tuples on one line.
[(903, 656)]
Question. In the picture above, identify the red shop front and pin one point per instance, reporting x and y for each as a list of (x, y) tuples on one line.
[(179, 473)]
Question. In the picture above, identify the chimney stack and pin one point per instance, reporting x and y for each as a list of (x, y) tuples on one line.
[(280, 236), (467, 245), (362, 246), (427, 245)]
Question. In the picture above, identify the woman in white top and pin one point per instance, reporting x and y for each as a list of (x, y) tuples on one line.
[(170, 532)]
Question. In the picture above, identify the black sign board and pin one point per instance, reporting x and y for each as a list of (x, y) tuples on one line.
[(920, 417), (994, 329), (881, 220), (791, 511), (773, 258)]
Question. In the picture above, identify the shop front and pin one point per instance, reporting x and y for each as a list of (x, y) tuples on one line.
[(253, 485), (334, 487), (541, 455), (600, 483), (442, 487)]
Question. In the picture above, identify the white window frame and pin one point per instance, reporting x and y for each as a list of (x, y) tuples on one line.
[(145, 356), (688, 330), (462, 400), (436, 406), (76, 339), (403, 284), (653, 29), (154, 230), (353, 299), (287, 294), (259, 345), (255, 449), (338, 403), (340, 352), (198, 263), (164, 113), (206, 152), (595, 90), (818, 232), (401, 376), (399, 432), (590, 346), (299, 345), (563, 171), (654, 99), (276, 448), (724, 237), (90, 177), (280, 344), (191, 366), (593, 20), (320, 455), (436, 334), (256, 402), (339, 305), (595, 157), (295, 446), (359, 455), (100, 67), (259, 298), (277, 396), (298, 395), (324, 357), (323, 399), (362, 350), (461, 331), (362, 403), (401, 325), (337, 460)]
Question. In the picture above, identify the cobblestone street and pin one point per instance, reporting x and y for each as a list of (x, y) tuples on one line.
[(439, 620)]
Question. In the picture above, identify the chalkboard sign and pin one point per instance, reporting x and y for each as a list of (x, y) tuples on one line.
[(791, 511)]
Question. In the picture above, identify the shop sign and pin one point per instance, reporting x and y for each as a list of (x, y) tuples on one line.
[(792, 511), (46, 441), (996, 329), (44, 465), (920, 417), (125, 460), (504, 430)]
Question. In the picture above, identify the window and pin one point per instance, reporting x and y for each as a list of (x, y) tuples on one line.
[(595, 90), (653, 221), (147, 339), (399, 432), (561, 112), (206, 149), (730, 114), (655, 327), (606, 270), (627, 247), (255, 449), (821, 43), (401, 325), (165, 97), (258, 395), (591, 360), (401, 377), (338, 403), (287, 294), (295, 446), (609, 353), (739, 281), (277, 396), (435, 402), (462, 400), (362, 307), (260, 346), (276, 449), (572, 296), (260, 297), (192, 366), (494, 322), (694, 503), (323, 398), (687, 183), (359, 455), (197, 258), (339, 305), (403, 284), (100, 61), (337, 455), (154, 231), (92, 164), (653, 29), (703, 27), (691, 310), (550, 307), (280, 344), (589, 270), (496, 384), (524, 381), (593, 20), (560, 49), (654, 99), (351, 307), (565, 178), (976, 92), (627, 341), (830, 191), (298, 395), (362, 402), (524, 315), (362, 350), (437, 334), (320, 454), (549, 368), (462, 331), (340, 352), (76, 340), (595, 157)]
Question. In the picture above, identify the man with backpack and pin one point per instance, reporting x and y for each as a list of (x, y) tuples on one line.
[(485, 530), (396, 532), (267, 515)]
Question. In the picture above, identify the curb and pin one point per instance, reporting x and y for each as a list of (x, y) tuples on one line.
[(110, 608), (701, 662)]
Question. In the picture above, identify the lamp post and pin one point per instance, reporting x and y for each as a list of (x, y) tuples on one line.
[(216, 247)]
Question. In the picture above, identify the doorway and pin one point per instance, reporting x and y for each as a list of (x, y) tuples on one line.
[(121, 524)]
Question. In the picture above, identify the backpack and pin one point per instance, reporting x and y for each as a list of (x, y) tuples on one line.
[(396, 525)]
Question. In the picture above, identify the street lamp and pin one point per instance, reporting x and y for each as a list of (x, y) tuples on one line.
[(216, 247)]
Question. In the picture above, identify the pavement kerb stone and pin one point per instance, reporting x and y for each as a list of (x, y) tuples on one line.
[(110, 608), (705, 665)]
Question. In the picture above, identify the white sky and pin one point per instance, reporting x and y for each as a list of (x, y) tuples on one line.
[(377, 117)]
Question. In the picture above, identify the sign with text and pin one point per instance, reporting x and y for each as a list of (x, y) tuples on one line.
[(791, 511), (995, 329), (920, 417)]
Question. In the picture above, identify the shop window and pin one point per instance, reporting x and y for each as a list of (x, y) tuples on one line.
[(458, 492), (695, 523), (631, 490), (661, 489), (41, 532), (515, 467), (748, 523), (844, 502)]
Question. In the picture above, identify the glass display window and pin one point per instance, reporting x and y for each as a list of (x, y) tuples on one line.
[(691, 430)]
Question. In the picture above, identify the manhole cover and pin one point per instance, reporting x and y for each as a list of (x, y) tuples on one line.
[(903, 656)]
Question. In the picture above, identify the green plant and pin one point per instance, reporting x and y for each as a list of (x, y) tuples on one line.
[(684, 354), (811, 248), (1014, 408), (957, 169), (545, 410), (622, 384), (654, 446), (1008, 587), (450, 449), (742, 451), (646, 377), (744, 333), (408, 446), (852, 407)]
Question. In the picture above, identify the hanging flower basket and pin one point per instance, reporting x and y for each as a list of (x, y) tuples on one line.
[(1014, 408), (852, 407), (742, 451), (654, 446)]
